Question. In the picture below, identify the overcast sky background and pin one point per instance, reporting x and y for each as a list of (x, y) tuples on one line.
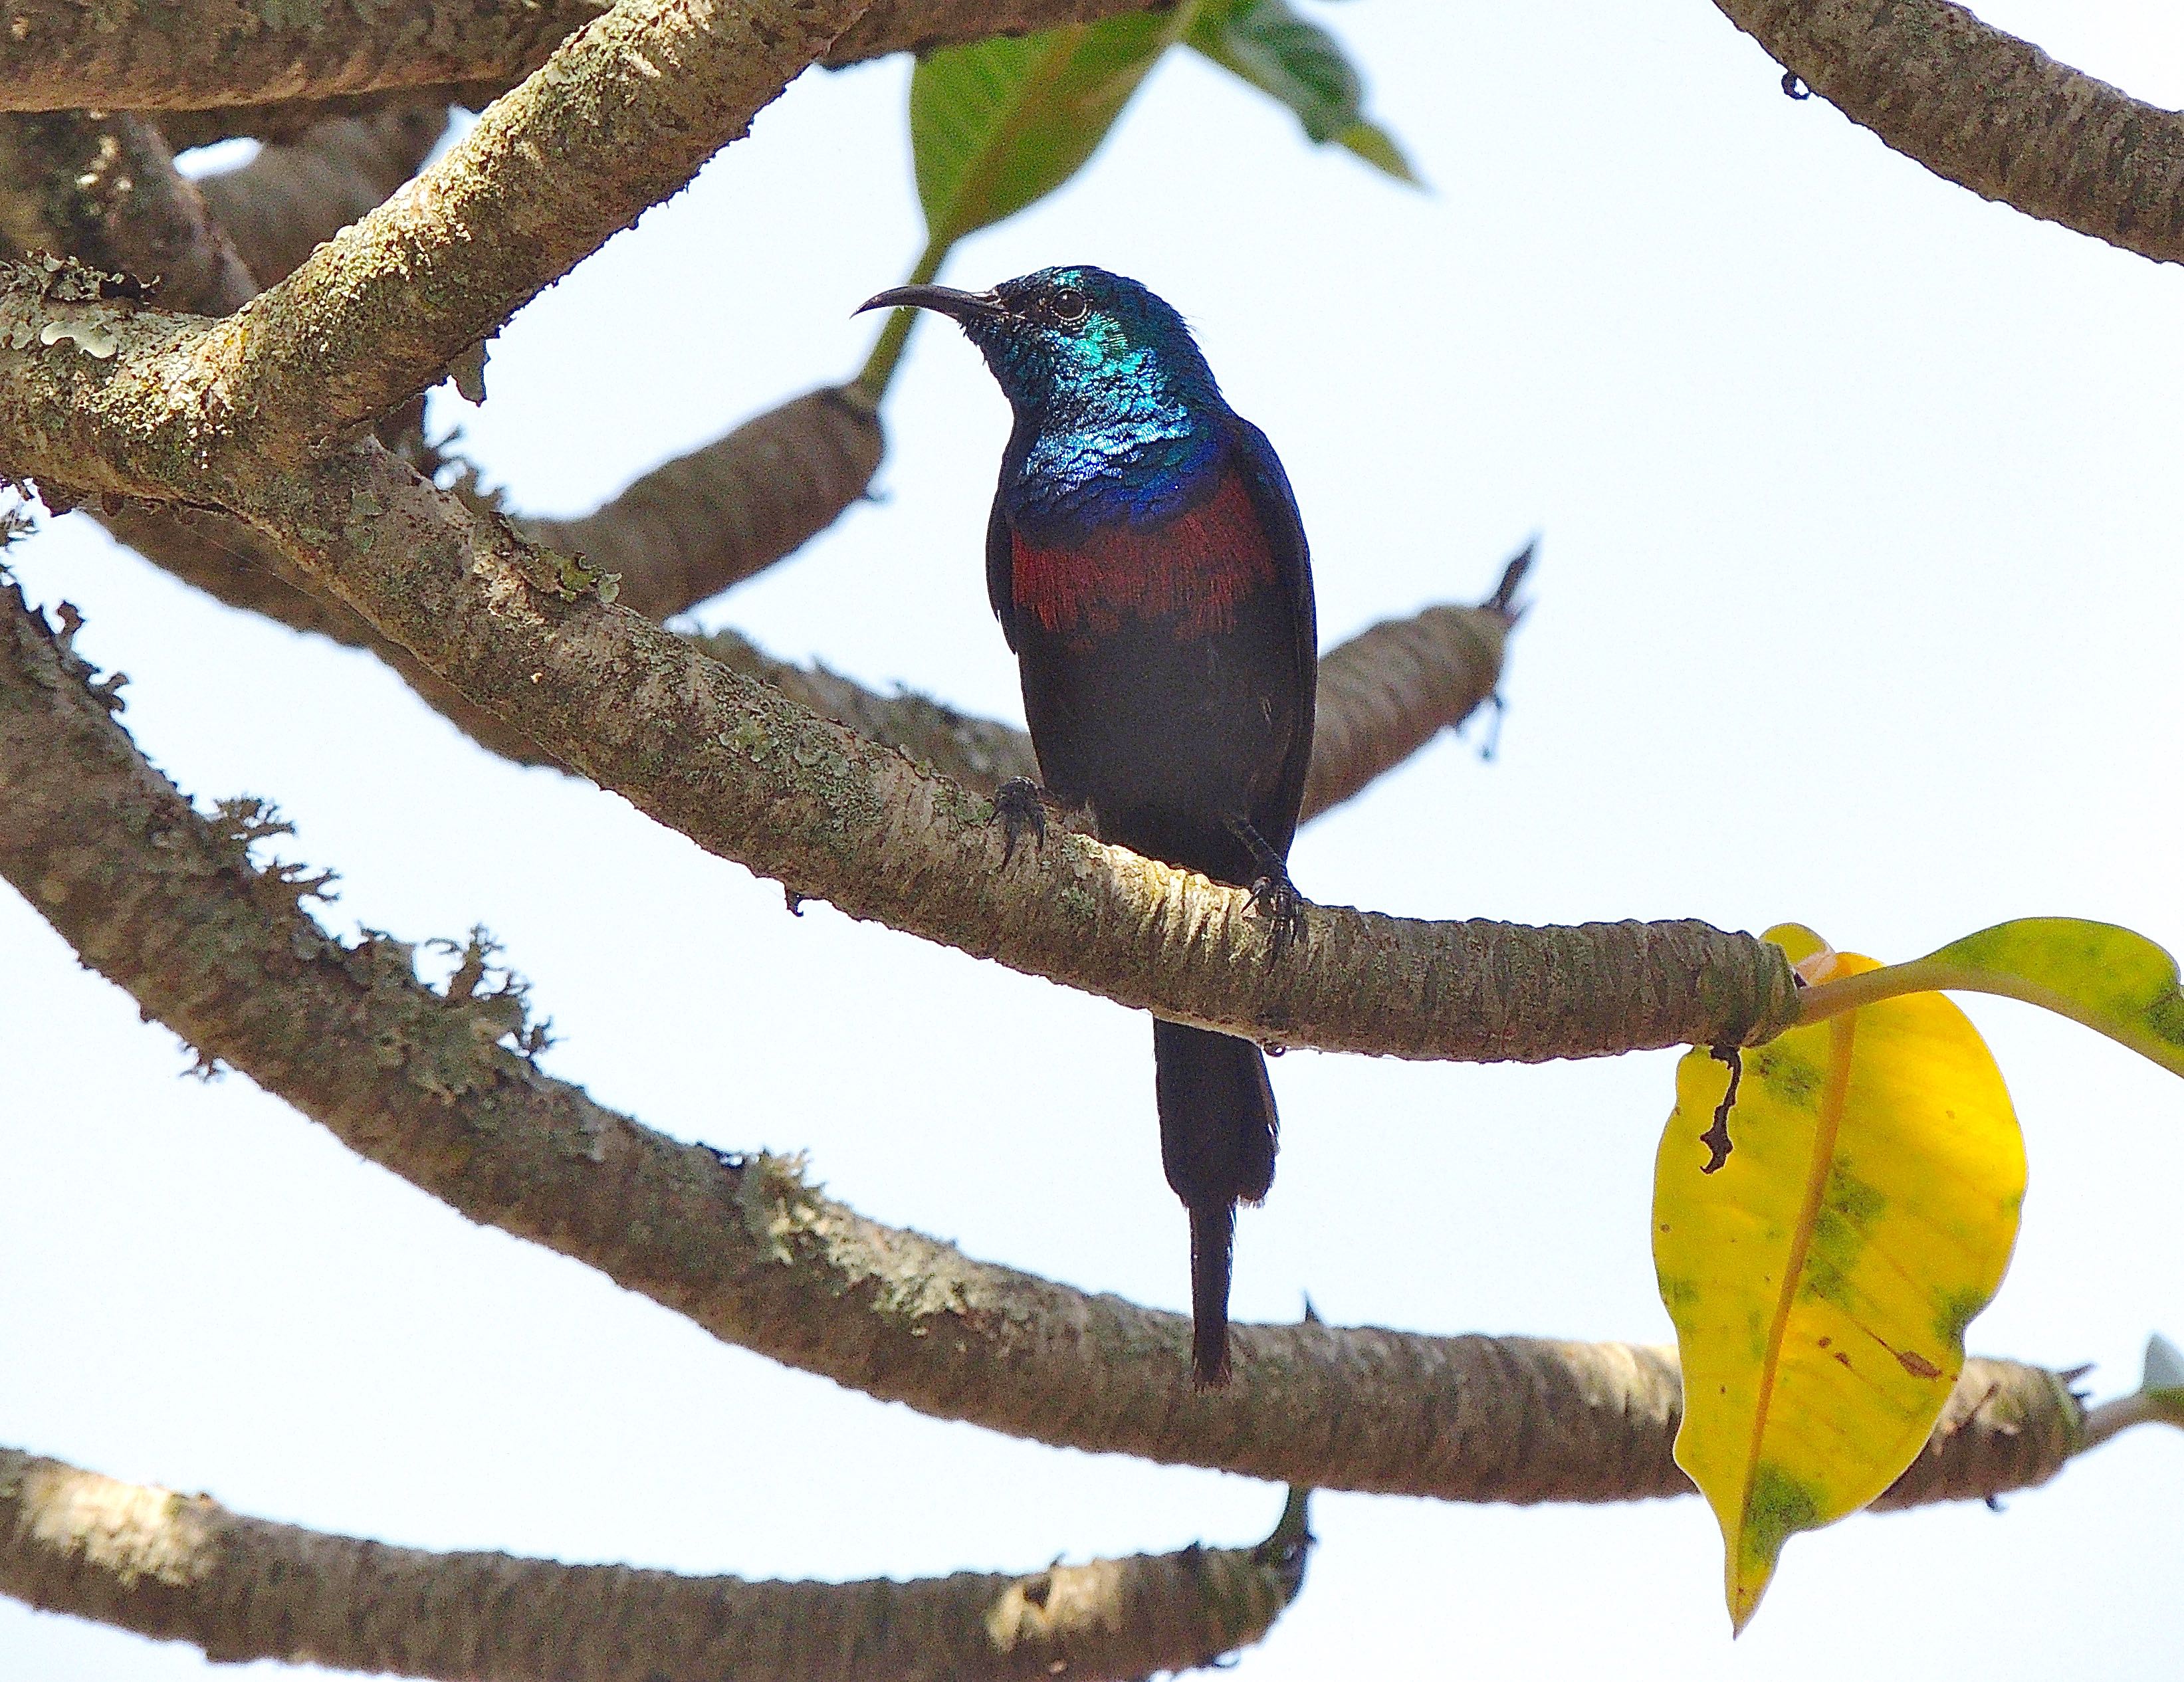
[(1859, 604)]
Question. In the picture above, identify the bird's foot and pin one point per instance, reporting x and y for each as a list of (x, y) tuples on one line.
[(1276, 899), (1021, 810), (1273, 895)]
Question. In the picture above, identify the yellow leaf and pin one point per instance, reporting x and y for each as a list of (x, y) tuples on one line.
[(1821, 1273)]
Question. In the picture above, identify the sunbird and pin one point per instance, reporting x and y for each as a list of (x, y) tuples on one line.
[(1147, 565)]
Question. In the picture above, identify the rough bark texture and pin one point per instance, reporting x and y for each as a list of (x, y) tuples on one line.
[(893, 25), (284, 122), (1989, 112), (139, 55), (167, 903), (129, 54), (1392, 688), (103, 189), (751, 775), (183, 1568), (620, 116), (687, 531)]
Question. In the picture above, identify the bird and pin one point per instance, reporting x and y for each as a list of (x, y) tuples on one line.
[(1148, 563)]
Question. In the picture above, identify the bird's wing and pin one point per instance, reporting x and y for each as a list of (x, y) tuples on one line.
[(1001, 544), (1275, 503)]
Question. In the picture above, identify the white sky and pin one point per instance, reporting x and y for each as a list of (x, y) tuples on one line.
[(1858, 603)]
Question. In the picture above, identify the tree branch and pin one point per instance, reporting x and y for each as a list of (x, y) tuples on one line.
[(166, 903), (919, 25), (752, 776), (690, 530), (678, 536), (60, 54), (102, 188), (183, 1568), (1989, 112), (284, 122), (620, 116)]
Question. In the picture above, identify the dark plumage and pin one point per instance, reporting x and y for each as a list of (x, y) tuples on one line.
[(1146, 561)]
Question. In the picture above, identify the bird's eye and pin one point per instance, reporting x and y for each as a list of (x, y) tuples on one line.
[(1069, 305)]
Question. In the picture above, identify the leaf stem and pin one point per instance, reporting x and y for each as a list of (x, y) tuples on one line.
[(2120, 1414), (872, 380), (1828, 999)]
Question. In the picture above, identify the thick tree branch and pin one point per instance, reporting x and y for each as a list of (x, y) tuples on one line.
[(166, 903), (103, 189), (60, 54), (919, 26), (183, 1568), (752, 776), (140, 56), (1989, 112)]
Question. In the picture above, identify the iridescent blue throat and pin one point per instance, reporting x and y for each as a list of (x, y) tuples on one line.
[(1120, 423)]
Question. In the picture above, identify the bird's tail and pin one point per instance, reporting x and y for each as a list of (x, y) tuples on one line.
[(1217, 1113)]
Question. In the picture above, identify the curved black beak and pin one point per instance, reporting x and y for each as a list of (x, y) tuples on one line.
[(945, 299)]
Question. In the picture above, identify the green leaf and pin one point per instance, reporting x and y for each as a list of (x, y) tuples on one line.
[(2113, 981), (999, 124), (1300, 64), (1373, 143)]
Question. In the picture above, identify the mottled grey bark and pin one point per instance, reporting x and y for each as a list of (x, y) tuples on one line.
[(198, 53), (1982, 108), (183, 1568), (753, 777), (690, 529), (168, 903)]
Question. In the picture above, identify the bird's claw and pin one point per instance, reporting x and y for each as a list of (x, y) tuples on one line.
[(1020, 811), (1273, 895), (1275, 898)]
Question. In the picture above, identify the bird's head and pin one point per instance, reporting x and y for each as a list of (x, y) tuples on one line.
[(1072, 339)]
